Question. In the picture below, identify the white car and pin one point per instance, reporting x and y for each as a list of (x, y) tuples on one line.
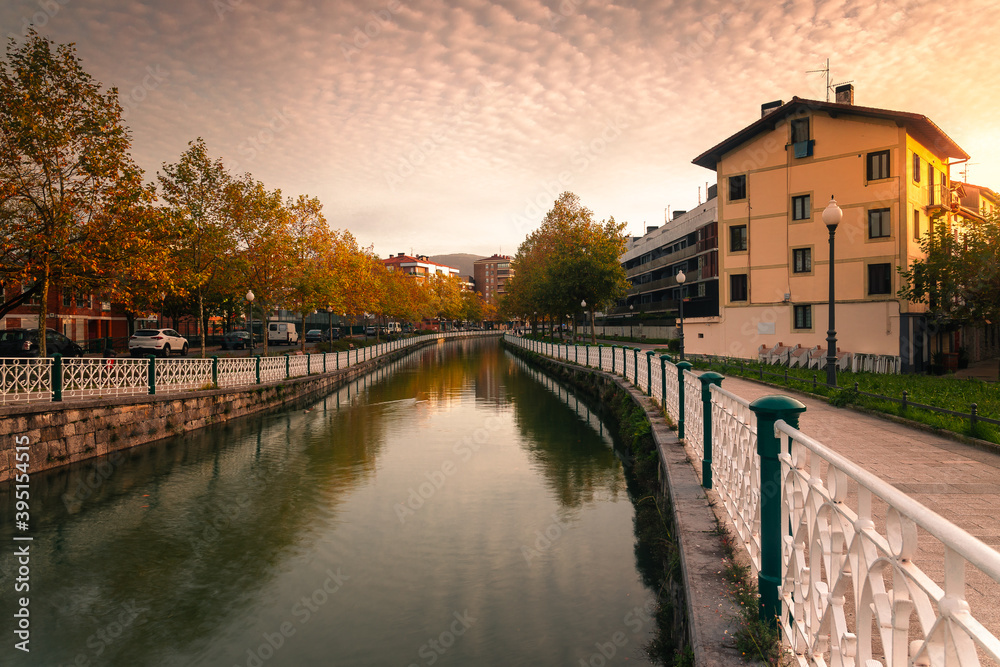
[(157, 341)]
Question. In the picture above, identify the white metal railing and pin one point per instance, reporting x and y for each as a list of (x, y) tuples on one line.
[(736, 466), (672, 398), (30, 380), (237, 371), (693, 420), (852, 591), (299, 365), (183, 374), (106, 377), (25, 380)]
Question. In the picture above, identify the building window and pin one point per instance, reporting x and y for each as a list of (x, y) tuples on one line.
[(878, 165), (916, 168), (737, 238), (800, 130), (67, 298), (803, 317), (738, 287), (878, 223), (880, 279), (801, 207), (737, 187), (916, 224), (802, 260), (82, 301)]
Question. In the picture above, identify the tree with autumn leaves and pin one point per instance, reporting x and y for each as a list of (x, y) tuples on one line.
[(74, 212), (73, 209), (569, 259)]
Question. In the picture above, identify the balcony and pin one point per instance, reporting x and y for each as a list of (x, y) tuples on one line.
[(666, 260)]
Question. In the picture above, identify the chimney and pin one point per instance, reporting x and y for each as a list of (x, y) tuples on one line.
[(650, 228), (713, 191), (400, 255), (845, 94), (677, 214), (768, 107)]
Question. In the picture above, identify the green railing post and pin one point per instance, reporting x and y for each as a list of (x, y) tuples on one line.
[(600, 357), (635, 363), (338, 359), (324, 362), (768, 410), (309, 364), (663, 382), (257, 357), (707, 380), (649, 372), (215, 370), (56, 377), (576, 353), (681, 367), (152, 373), (288, 371)]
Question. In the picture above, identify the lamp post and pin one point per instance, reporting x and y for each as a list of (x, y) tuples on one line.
[(583, 304), (680, 281), (630, 321), (832, 215), (250, 298), (329, 328)]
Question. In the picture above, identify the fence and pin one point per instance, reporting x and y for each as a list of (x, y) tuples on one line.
[(834, 546), (56, 379)]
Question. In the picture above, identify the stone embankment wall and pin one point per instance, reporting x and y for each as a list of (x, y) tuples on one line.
[(63, 433)]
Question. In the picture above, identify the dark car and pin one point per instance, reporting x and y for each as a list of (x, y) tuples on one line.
[(332, 334), (24, 343), (314, 336), (236, 340)]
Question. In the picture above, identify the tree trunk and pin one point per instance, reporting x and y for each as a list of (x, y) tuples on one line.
[(302, 334), (42, 310), (593, 333), (201, 318)]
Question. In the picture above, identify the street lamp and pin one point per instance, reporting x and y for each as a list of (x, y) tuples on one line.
[(630, 321), (832, 215), (250, 298), (680, 281), (583, 304), (329, 329)]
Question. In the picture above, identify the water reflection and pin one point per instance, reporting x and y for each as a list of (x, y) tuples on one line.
[(196, 550)]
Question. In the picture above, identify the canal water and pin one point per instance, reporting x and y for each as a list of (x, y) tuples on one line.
[(455, 508)]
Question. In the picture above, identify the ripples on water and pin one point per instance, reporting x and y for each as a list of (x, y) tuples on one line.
[(457, 508)]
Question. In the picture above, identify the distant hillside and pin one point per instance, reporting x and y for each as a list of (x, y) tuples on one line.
[(461, 261)]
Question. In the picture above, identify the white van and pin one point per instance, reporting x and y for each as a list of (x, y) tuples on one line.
[(282, 333), (393, 328)]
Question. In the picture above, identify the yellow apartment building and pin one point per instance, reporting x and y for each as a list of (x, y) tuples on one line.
[(889, 172)]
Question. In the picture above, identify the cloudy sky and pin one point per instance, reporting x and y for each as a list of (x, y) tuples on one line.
[(441, 126)]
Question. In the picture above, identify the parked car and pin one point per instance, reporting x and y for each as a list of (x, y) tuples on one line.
[(369, 331), (236, 340), (24, 343), (314, 336), (333, 334), (157, 341)]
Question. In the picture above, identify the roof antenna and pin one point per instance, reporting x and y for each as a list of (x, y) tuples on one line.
[(829, 86)]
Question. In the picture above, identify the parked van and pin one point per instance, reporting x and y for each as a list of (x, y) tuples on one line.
[(282, 333), (393, 328)]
